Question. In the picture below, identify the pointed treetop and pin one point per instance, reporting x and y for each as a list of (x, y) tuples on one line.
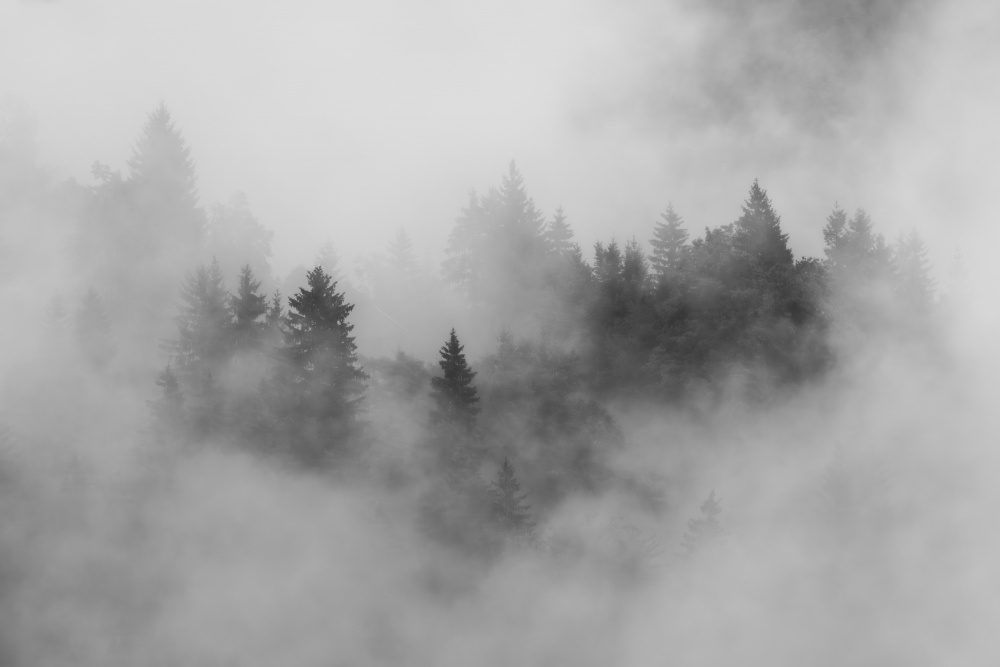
[(758, 232), (558, 235), (454, 394), (669, 242)]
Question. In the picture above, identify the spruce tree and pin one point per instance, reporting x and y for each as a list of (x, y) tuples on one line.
[(402, 261), (559, 236), (92, 327), (274, 321), (247, 306), (669, 243), (510, 512), (320, 377), (455, 397), (203, 323), (164, 186), (758, 236)]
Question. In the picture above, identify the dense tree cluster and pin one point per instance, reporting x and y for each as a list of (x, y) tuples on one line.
[(729, 315)]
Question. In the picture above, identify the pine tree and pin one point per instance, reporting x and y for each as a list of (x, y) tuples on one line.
[(510, 512), (401, 258), (203, 323), (92, 327), (323, 383), (758, 236), (274, 321), (247, 306), (164, 185), (669, 243), (635, 269), (559, 236), (704, 532), (455, 397), (467, 248), (833, 235)]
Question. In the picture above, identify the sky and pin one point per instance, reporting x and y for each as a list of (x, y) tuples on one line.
[(347, 120)]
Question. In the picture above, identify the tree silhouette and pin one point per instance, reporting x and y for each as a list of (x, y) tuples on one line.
[(669, 243), (455, 397), (510, 512)]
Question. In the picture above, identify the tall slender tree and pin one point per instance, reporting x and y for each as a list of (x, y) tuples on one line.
[(559, 236), (455, 397), (669, 243), (248, 305), (511, 513), (758, 236), (321, 384)]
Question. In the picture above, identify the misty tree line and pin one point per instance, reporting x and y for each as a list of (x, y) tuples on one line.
[(693, 322)]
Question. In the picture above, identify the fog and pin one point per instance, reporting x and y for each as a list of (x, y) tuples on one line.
[(707, 478)]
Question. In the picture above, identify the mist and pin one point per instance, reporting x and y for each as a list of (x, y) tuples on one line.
[(631, 333)]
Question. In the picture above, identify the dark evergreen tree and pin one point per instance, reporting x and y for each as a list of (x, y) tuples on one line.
[(511, 514), (455, 397), (758, 236), (92, 327), (320, 383), (635, 269), (705, 532), (248, 306), (669, 243)]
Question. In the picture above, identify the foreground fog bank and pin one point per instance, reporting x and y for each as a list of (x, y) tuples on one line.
[(856, 526)]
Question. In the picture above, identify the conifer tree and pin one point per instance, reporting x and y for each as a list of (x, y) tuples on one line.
[(703, 532), (635, 268), (203, 323), (559, 236), (455, 397), (401, 258), (669, 243), (322, 382), (92, 327), (274, 321), (758, 236), (247, 306), (511, 513), (164, 185), (467, 246)]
